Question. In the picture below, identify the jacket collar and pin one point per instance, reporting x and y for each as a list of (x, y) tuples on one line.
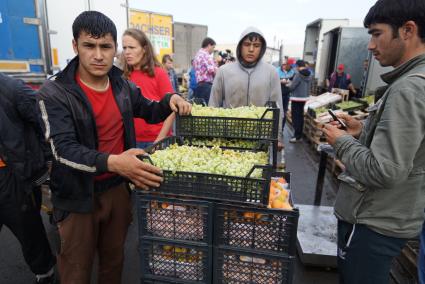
[(393, 75)]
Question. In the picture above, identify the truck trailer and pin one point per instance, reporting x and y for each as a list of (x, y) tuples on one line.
[(313, 40), (343, 45), (25, 44)]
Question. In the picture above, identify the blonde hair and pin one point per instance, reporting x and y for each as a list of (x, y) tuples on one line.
[(149, 60)]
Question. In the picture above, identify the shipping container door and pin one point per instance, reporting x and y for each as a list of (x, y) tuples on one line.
[(19, 33)]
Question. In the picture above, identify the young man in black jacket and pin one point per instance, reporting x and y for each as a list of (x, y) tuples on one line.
[(87, 115), (22, 170)]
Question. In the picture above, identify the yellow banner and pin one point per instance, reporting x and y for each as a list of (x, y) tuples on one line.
[(159, 29)]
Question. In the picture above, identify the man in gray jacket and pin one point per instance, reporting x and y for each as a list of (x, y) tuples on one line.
[(249, 81), (381, 200), (300, 92)]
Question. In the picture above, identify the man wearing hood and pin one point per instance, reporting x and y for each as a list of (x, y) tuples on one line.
[(249, 81), (299, 88)]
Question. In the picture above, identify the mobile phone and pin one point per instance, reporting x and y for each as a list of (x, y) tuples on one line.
[(332, 113)]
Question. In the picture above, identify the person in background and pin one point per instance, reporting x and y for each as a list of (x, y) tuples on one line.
[(300, 89), (286, 74), (87, 118), (249, 81), (167, 62), (340, 80), (310, 68), (381, 199), (23, 168), (362, 89), (205, 69), (192, 80), (142, 68)]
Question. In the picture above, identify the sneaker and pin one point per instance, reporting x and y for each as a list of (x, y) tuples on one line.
[(48, 278), (294, 140)]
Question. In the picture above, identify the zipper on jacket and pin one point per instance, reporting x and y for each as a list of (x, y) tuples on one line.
[(247, 93)]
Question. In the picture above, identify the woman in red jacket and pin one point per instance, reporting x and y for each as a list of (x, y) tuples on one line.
[(141, 67)]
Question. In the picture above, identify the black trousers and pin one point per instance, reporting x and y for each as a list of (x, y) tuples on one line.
[(20, 212), (364, 256), (285, 103), (203, 91), (297, 110)]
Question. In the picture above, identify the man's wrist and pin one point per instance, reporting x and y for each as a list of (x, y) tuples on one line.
[(112, 159)]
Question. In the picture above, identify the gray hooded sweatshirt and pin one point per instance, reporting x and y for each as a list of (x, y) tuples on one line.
[(240, 84)]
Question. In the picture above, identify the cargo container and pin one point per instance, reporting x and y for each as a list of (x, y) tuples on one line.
[(25, 46), (313, 41), (343, 45)]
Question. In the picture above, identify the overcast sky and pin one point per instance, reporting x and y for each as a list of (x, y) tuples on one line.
[(279, 20)]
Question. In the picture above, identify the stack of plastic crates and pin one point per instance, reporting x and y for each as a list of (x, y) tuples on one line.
[(210, 228), (175, 238), (254, 244)]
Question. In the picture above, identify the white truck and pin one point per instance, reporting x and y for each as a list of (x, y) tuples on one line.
[(313, 40)]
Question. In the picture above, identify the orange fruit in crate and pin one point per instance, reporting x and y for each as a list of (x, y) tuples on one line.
[(286, 206), (164, 205), (249, 215)]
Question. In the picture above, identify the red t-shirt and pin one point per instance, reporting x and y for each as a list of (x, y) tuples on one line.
[(153, 88), (109, 124)]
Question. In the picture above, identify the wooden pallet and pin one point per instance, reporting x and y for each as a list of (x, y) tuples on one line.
[(404, 267)]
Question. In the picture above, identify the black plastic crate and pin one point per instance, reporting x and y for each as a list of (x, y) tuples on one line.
[(238, 267), (262, 229), (175, 262), (213, 186), (152, 281), (229, 127), (174, 219)]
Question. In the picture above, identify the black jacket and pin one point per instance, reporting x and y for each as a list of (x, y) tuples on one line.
[(70, 128), (21, 140)]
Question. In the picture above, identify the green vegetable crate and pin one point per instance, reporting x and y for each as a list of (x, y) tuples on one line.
[(252, 188)]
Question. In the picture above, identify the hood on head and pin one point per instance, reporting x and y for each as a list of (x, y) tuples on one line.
[(246, 32), (305, 74)]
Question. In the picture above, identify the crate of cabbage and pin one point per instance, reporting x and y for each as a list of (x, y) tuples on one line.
[(249, 122), (211, 173)]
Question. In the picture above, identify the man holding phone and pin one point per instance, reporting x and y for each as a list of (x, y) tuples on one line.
[(381, 201)]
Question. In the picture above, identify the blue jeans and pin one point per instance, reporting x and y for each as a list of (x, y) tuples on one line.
[(421, 260), (190, 94), (143, 145)]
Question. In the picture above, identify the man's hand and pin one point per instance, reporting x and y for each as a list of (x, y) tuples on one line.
[(332, 133), (178, 104), (354, 127), (126, 164)]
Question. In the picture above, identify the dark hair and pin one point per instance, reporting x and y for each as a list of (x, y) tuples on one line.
[(300, 63), (95, 24), (253, 36), (149, 60), (208, 41), (396, 13), (165, 58)]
